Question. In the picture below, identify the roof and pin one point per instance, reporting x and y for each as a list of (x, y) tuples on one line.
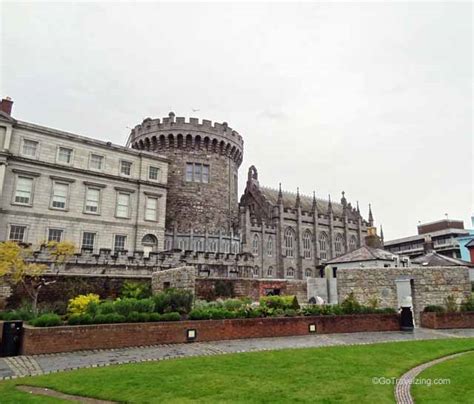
[(433, 259), (470, 244), (422, 236), (364, 253), (306, 202)]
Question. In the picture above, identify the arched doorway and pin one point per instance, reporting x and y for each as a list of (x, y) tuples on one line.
[(150, 244)]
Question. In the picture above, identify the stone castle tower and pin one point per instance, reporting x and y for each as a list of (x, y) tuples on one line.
[(204, 159)]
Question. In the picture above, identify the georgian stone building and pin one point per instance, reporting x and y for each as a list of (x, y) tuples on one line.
[(56, 185)]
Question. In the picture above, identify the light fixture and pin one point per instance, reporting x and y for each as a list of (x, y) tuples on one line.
[(312, 328), (191, 334)]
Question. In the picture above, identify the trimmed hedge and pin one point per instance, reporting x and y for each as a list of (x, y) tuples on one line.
[(46, 320)]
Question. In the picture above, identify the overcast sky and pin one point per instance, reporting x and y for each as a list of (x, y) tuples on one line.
[(373, 99)]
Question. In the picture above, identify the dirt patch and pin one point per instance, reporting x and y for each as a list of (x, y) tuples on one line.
[(42, 391)]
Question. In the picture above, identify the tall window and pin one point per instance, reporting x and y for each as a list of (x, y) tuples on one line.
[(29, 148), (289, 242), (125, 168), (23, 192), (88, 240), (123, 205), (255, 244), (213, 246), (255, 272), (307, 244), (197, 172), (60, 192), (92, 200), (308, 273), (119, 242), (270, 272), (55, 235), (182, 244), (198, 245), (290, 273), (338, 244), (65, 155), (96, 162), (352, 243), (151, 208), (153, 173), (17, 233), (323, 246), (270, 246)]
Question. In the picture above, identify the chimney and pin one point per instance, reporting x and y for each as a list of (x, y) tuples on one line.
[(6, 105), (372, 239), (428, 245)]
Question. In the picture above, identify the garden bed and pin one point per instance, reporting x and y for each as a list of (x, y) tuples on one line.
[(45, 340), (463, 319)]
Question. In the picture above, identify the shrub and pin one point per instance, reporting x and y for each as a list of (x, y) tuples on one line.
[(127, 306), (199, 314), (335, 309), (233, 304), (432, 308), (78, 305), (350, 305), (173, 300), (172, 316), (108, 318), (106, 308), (135, 290), (450, 303), (312, 310), (133, 317), (78, 319), (386, 310), (468, 305), (154, 317), (46, 320), (20, 314), (290, 313), (280, 302)]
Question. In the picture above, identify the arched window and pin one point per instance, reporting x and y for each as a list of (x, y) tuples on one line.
[(168, 243), (307, 244), (323, 246), (352, 243), (235, 248), (255, 272), (270, 272), (198, 245), (289, 242), (308, 273), (226, 246), (255, 245), (290, 273), (182, 244), (338, 244), (213, 246), (270, 246)]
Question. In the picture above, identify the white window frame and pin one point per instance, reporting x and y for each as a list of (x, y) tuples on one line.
[(66, 203), (55, 228), (121, 165), (102, 166), (124, 244), (147, 198), (158, 174), (25, 233), (63, 162), (194, 175), (96, 239), (25, 139), (30, 202), (91, 187), (128, 206)]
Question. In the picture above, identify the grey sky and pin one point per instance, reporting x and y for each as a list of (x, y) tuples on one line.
[(373, 99)]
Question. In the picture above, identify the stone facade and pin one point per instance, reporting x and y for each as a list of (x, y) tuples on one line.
[(58, 185), (429, 285), (178, 278)]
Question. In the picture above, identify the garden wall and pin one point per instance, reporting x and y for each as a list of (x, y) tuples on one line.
[(448, 320), (103, 336)]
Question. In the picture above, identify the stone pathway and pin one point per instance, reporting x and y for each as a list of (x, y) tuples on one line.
[(20, 366), (403, 386)]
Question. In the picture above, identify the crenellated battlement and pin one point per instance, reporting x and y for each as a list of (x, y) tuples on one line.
[(177, 132)]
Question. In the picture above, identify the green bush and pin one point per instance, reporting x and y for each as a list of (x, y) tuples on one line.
[(386, 310), (106, 308), (19, 314), (80, 319), (108, 318), (134, 317), (450, 303), (199, 314), (290, 313), (233, 304), (432, 308), (127, 306), (280, 302), (173, 300), (468, 305), (154, 317), (350, 305), (172, 316), (135, 290), (46, 320)]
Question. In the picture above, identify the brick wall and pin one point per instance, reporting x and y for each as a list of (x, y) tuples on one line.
[(104, 336), (448, 320)]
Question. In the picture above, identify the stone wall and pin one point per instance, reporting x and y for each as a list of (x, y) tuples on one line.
[(448, 320), (430, 285), (107, 336), (178, 278)]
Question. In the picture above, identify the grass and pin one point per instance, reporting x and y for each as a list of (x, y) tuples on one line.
[(459, 371), (323, 375)]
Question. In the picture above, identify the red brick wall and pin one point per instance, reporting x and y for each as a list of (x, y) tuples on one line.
[(448, 320), (74, 338)]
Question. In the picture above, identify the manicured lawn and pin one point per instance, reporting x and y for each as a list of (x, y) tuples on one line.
[(324, 375), (460, 372)]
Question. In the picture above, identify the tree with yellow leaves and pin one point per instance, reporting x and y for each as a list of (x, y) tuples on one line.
[(15, 267)]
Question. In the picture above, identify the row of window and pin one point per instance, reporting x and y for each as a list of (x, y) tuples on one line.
[(65, 155), (60, 196), (197, 172), (89, 239), (198, 245), (289, 273), (289, 244)]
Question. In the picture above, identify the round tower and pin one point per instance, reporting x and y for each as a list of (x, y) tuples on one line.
[(202, 173)]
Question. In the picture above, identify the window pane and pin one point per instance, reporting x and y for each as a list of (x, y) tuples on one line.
[(88, 240), (125, 167), (96, 161), (119, 244), (151, 208), (205, 173), (55, 235), (122, 205), (60, 192), (92, 200), (23, 190), (189, 172), (29, 148), (153, 173), (65, 155), (197, 172), (17, 233)]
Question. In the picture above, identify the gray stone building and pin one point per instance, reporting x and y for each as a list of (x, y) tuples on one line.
[(56, 185)]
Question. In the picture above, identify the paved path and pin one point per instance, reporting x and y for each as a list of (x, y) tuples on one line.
[(21, 366), (403, 386)]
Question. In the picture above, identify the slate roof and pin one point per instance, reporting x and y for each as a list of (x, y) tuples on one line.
[(433, 259), (289, 202), (364, 253), (470, 244)]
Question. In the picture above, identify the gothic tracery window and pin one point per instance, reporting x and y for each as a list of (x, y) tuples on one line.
[(270, 246), (338, 244), (289, 242), (307, 244), (323, 246), (352, 243), (255, 244), (290, 273)]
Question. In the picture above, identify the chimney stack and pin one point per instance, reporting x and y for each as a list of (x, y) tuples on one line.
[(6, 105), (372, 239)]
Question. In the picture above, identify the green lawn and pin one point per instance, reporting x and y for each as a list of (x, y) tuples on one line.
[(460, 372), (324, 375)]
